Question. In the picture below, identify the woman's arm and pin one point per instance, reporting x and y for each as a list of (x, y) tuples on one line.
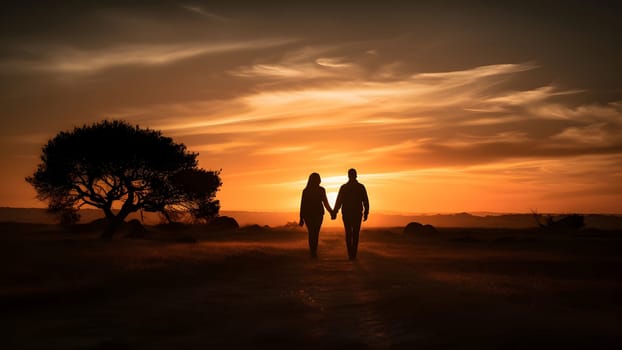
[(325, 201)]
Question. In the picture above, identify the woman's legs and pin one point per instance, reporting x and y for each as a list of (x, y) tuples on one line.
[(313, 226)]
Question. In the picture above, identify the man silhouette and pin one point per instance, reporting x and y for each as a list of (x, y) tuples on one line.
[(354, 204)]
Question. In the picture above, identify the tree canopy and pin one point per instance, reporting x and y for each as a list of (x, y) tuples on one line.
[(120, 168)]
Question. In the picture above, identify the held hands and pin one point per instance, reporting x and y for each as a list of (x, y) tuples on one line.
[(333, 214)]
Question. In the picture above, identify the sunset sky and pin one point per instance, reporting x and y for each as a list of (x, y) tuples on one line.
[(440, 106)]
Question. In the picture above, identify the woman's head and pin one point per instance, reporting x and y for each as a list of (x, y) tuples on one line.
[(314, 180)]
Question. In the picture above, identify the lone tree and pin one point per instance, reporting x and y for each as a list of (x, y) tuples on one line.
[(120, 168)]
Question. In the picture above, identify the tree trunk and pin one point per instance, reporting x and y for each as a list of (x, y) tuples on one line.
[(115, 221), (113, 224)]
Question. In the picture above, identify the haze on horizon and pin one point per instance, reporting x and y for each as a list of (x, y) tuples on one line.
[(441, 107)]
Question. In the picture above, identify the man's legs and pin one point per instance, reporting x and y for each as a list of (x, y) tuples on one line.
[(348, 229), (352, 225), (356, 229)]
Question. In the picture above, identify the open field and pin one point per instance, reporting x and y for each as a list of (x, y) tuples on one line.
[(463, 288)]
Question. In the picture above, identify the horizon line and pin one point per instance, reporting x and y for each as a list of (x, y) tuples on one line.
[(387, 212)]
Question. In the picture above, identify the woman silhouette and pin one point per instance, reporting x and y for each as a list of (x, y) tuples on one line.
[(312, 210)]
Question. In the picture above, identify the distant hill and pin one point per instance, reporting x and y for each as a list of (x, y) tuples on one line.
[(518, 221), (601, 221)]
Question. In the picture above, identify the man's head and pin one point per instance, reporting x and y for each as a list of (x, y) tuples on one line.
[(352, 174)]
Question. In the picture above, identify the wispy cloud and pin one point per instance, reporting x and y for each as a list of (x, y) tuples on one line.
[(205, 13), (478, 72), (593, 134), (277, 71), (483, 121), (610, 112), (223, 147), (74, 60), (332, 62), (285, 149), (304, 63), (466, 140), (408, 145), (529, 96)]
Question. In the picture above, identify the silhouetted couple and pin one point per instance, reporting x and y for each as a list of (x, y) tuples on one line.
[(353, 202)]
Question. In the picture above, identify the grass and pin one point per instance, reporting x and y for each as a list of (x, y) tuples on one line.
[(463, 288)]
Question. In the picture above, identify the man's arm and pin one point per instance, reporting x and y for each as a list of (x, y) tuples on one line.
[(338, 203), (365, 203), (339, 200)]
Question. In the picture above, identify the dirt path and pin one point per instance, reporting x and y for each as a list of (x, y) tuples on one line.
[(346, 305), (346, 298)]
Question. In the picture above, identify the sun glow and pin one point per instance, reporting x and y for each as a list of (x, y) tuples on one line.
[(332, 197)]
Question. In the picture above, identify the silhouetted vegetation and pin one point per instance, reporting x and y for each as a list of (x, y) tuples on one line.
[(224, 223), (417, 228), (571, 222), (112, 162), (292, 226)]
